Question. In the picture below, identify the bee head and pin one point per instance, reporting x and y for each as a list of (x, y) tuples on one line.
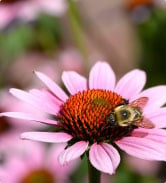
[(126, 115)]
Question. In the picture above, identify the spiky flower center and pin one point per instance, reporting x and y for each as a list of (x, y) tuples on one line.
[(84, 116), (38, 176)]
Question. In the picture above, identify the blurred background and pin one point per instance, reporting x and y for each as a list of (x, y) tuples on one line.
[(56, 35)]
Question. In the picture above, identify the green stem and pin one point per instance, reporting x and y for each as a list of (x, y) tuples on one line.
[(94, 174), (76, 27)]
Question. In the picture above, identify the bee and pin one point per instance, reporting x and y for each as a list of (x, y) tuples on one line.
[(130, 114)]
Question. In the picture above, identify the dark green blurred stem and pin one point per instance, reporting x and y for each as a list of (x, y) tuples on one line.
[(94, 174), (76, 27)]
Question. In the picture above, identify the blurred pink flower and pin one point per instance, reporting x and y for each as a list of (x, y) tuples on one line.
[(10, 127), (68, 59), (33, 161), (29, 10), (83, 117)]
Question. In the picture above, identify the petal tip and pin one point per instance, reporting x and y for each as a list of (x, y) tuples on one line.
[(12, 90), (23, 136), (37, 73)]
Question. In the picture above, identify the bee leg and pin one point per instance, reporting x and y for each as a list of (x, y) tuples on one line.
[(134, 127)]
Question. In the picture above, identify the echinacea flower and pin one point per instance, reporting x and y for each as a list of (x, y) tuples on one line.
[(34, 163), (81, 118)]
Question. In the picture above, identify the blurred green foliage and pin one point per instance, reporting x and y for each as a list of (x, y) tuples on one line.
[(152, 34), (47, 33), (43, 34), (76, 27), (15, 41), (80, 174)]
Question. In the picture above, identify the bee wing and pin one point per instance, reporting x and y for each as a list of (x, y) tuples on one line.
[(140, 102), (145, 123)]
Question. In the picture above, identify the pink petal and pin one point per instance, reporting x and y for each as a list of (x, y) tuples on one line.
[(101, 77), (74, 82), (52, 86), (158, 117), (104, 157), (25, 116), (73, 152), (48, 101), (53, 137), (131, 83), (156, 96), (143, 148), (24, 96), (157, 135), (33, 100)]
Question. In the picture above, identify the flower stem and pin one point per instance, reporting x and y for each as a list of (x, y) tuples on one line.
[(76, 27), (94, 174)]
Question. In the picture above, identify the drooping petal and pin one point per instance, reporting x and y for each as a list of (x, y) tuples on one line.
[(104, 157), (143, 148), (53, 137), (131, 83), (156, 96), (48, 101), (25, 116), (102, 77), (24, 96), (52, 86), (73, 152), (74, 82), (158, 117), (35, 101)]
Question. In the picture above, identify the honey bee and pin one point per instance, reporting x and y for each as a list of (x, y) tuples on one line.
[(130, 114)]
